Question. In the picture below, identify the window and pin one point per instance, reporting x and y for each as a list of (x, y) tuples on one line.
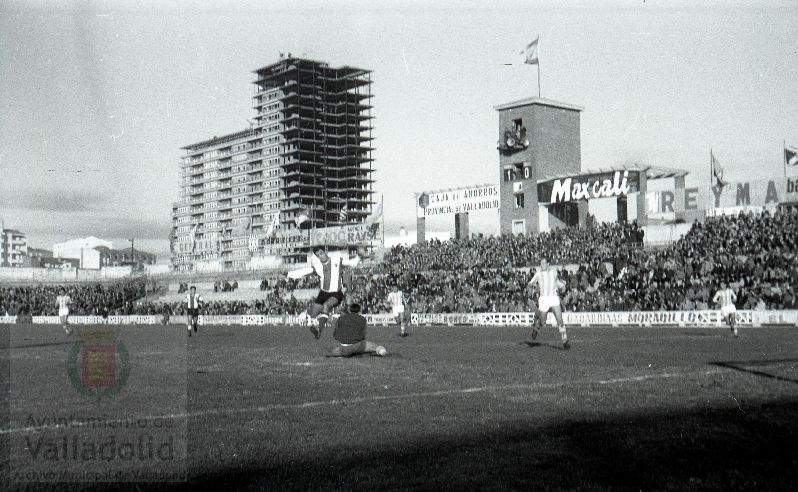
[(518, 124), (519, 200)]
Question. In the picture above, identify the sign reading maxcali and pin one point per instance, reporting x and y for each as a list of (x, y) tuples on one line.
[(457, 201), (589, 186)]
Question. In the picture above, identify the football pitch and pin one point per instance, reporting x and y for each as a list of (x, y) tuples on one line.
[(450, 408)]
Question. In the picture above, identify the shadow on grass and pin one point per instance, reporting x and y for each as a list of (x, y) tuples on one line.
[(759, 367), (552, 345), (712, 449)]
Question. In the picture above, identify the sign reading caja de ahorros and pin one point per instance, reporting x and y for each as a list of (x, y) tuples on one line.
[(588, 186), (455, 201)]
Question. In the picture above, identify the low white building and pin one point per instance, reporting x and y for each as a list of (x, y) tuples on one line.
[(82, 249)]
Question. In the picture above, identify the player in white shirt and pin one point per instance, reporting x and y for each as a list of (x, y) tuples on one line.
[(725, 297), (331, 294), (397, 301), (193, 304), (548, 299), (63, 301)]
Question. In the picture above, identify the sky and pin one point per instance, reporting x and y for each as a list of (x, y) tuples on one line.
[(98, 97)]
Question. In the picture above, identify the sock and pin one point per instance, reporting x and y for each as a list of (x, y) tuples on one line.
[(322, 320), (562, 333)]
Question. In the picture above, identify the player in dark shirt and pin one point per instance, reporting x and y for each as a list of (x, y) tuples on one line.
[(350, 332)]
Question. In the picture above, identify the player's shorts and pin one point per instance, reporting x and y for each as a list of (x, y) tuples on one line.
[(62, 312), (547, 302), (324, 296), (728, 309), (398, 310), (193, 313)]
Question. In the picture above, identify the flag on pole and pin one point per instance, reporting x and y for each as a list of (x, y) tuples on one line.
[(192, 237), (376, 214), (717, 172), (531, 52), (790, 160), (343, 214), (273, 226), (302, 217)]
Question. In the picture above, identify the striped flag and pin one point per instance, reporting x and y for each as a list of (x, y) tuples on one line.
[(790, 160), (531, 53), (343, 214), (717, 172)]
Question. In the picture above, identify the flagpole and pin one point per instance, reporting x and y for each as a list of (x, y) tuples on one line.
[(538, 78), (382, 219), (711, 177), (538, 66), (784, 156)]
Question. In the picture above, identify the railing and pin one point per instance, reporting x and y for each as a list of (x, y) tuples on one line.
[(681, 319)]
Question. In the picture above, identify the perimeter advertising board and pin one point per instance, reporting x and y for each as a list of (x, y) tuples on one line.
[(588, 186), (455, 201)]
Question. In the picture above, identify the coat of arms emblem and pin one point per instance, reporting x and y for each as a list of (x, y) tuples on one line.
[(98, 364)]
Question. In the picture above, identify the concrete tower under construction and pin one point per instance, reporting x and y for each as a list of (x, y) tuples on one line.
[(308, 152)]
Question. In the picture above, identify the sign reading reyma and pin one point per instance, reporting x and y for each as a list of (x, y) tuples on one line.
[(361, 234), (585, 187), (455, 201)]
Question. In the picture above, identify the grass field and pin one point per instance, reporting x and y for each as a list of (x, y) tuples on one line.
[(454, 408)]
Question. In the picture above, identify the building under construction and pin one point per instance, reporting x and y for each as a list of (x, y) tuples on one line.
[(308, 152)]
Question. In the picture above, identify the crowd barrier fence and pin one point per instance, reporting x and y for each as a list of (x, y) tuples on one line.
[(641, 318)]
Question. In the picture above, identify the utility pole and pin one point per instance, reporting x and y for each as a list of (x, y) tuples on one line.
[(132, 252)]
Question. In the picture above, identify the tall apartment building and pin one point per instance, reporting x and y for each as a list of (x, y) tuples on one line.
[(308, 151), (13, 247)]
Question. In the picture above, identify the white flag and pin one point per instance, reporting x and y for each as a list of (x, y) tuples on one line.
[(192, 237), (376, 213), (273, 226), (531, 52)]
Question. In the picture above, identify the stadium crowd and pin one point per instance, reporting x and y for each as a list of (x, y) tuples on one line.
[(604, 268), (92, 298)]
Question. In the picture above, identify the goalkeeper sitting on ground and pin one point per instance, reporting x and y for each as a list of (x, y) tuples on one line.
[(350, 332)]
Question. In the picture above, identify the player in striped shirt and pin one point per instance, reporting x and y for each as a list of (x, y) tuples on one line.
[(725, 297), (329, 268), (63, 301), (193, 304), (397, 301), (548, 300)]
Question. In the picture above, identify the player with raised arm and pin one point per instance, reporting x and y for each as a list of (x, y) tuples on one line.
[(548, 299), (193, 305), (725, 297), (397, 301), (331, 293), (63, 301)]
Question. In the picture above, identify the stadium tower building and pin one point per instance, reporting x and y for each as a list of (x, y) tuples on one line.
[(537, 137), (307, 152)]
